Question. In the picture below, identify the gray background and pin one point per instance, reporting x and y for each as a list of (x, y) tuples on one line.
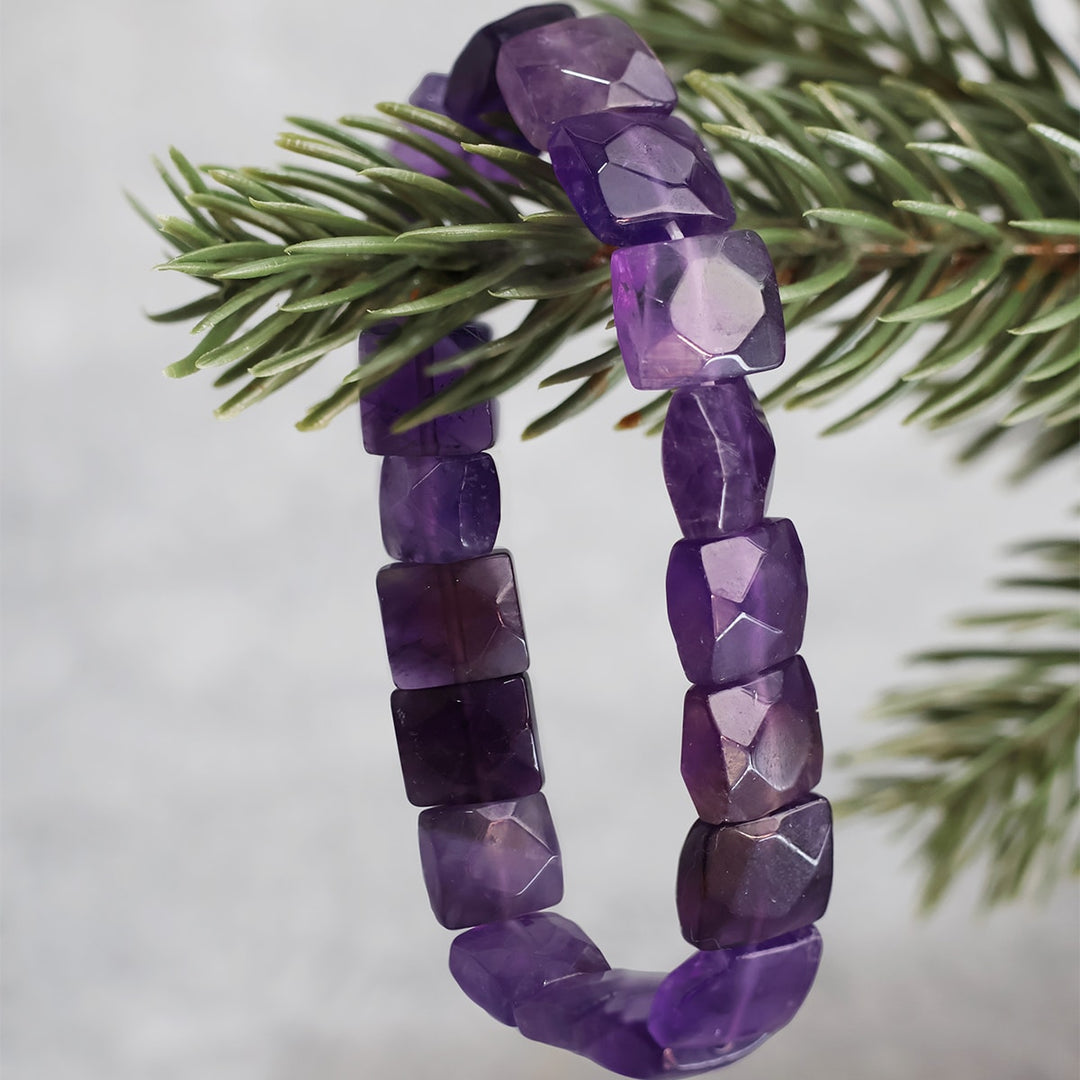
[(210, 868)]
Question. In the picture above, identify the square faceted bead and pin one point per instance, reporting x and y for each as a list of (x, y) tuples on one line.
[(738, 884), (636, 177), (466, 432), (472, 93), (578, 66), (490, 861), (718, 455), (467, 743), (751, 748), (737, 605), (696, 310), (439, 509), (452, 622)]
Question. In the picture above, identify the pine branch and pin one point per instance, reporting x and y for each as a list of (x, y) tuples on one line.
[(986, 767)]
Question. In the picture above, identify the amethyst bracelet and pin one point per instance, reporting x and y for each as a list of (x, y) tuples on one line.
[(696, 308)]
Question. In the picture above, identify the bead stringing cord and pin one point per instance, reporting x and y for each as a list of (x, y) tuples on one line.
[(696, 308)]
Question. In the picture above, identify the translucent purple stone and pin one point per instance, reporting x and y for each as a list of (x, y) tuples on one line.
[(465, 432), (467, 743), (502, 964), (696, 310), (578, 66), (751, 748), (492, 861), (718, 455), (473, 97), (605, 1018), (452, 622), (738, 884), (737, 605), (637, 177), (439, 509), (735, 995)]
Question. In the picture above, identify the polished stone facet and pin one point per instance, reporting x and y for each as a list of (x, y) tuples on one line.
[(473, 97), (735, 995), (578, 66), (502, 964), (490, 861), (696, 310), (604, 1017), (737, 605), (439, 509), (452, 622), (467, 743), (739, 884), (637, 177), (465, 432), (718, 458), (754, 747)]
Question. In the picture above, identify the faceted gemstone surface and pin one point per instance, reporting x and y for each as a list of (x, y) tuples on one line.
[(604, 1017), (718, 458), (739, 884), (751, 748), (578, 66), (430, 94), (502, 964), (696, 310), (439, 509), (452, 622), (737, 605), (473, 97), (467, 743), (734, 995), (490, 861), (465, 432), (633, 175)]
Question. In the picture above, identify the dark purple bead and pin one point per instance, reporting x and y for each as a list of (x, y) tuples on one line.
[(502, 964), (735, 995), (439, 509), (636, 177), (604, 1017), (739, 884), (737, 605), (490, 861), (467, 743), (718, 458), (452, 622), (579, 66), (696, 310), (751, 748), (465, 432), (473, 97)]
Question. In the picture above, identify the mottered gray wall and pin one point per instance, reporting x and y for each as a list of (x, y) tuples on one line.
[(210, 868)]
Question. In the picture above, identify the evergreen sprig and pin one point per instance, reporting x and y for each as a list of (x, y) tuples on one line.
[(986, 767)]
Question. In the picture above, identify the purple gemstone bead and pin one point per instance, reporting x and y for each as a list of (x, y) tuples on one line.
[(465, 432), (718, 458), (737, 605), (752, 748), (467, 743), (452, 622), (735, 995), (632, 176), (739, 884), (502, 964), (696, 310), (438, 510), (604, 1017), (490, 861), (579, 66), (473, 97)]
